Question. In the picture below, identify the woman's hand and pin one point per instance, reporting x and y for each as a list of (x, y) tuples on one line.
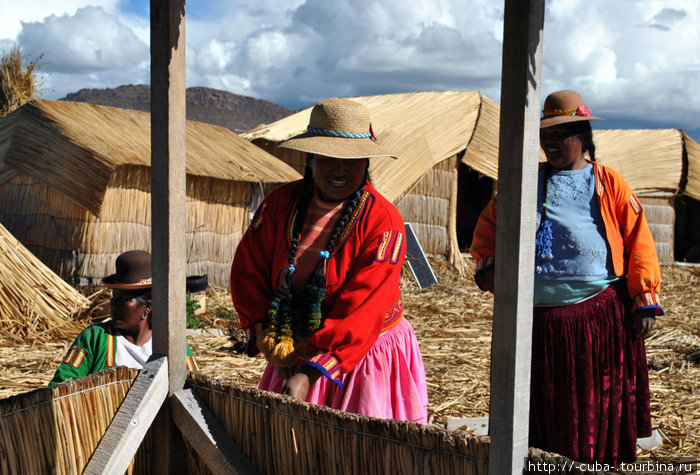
[(644, 321), (298, 384)]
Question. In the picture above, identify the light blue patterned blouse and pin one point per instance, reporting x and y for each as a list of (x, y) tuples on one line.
[(581, 265)]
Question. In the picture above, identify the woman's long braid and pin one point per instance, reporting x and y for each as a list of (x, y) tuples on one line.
[(590, 148), (280, 313)]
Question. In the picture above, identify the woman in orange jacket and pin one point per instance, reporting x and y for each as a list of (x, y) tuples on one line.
[(596, 296)]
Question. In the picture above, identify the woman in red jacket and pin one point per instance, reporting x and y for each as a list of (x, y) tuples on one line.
[(315, 279), (596, 293)]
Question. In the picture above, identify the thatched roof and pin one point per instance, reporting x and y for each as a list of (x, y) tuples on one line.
[(692, 187), (422, 128), (35, 303), (425, 128), (75, 148), (650, 160)]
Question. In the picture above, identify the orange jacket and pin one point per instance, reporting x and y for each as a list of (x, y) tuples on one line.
[(627, 233)]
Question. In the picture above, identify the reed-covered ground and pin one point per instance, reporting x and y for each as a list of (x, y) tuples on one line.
[(453, 324)]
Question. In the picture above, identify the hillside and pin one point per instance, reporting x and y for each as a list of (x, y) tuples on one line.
[(212, 106)]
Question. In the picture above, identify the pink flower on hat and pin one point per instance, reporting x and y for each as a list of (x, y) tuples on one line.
[(583, 111)]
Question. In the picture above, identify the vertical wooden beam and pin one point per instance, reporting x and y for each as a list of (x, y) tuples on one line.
[(517, 197), (168, 222), (168, 184)]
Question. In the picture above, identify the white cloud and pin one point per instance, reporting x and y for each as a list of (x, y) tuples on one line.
[(323, 48), (87, 42), (16, 12), (626, 57)]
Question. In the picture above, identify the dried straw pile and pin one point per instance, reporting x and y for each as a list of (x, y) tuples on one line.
[(18, 80), (35, 304), (673, 351), (282, 435)]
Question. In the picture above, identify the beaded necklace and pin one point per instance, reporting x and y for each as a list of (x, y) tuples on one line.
[(292, 321)]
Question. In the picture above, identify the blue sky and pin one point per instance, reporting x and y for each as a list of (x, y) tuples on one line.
[(636, 62)]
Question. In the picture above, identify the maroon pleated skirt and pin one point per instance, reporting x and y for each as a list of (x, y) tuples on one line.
[(589, 394)]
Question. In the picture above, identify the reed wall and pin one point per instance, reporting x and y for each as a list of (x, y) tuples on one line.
[(428, 206), (281, 435), (82, 247), (660, 214), (56, 430)]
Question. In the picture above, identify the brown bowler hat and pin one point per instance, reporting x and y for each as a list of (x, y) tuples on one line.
[(338, 128), (133, 271), (564, 106)]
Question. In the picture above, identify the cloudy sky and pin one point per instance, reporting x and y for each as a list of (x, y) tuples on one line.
[(636, 62)]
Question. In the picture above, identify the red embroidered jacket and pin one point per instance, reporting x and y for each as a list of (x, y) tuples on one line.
[(363, 298), (627, 232)]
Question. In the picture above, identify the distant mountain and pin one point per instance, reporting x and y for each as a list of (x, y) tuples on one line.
[(212, 106)]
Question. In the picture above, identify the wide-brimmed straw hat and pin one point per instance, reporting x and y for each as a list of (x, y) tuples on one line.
[(564, 106), (133, 271), (338, 128)]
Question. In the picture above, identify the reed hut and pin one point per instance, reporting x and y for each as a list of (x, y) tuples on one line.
[(687, 205), (447, 144), (36, 305), (655, 164), (75, 187)]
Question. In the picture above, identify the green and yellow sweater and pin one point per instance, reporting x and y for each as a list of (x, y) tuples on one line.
[(93, 350)]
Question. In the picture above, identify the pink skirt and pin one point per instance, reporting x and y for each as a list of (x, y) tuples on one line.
[(388, 383)]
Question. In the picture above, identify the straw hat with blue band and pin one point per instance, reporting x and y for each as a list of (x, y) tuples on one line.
[(338, 128), (564, 106)]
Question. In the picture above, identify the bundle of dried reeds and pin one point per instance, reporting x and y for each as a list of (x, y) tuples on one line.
[(18, 80), (56, 430), (283, 435), (35, 304)]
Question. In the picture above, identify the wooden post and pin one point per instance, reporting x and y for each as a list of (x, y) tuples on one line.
[(517, 197), (168, 184), (168, 223)]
